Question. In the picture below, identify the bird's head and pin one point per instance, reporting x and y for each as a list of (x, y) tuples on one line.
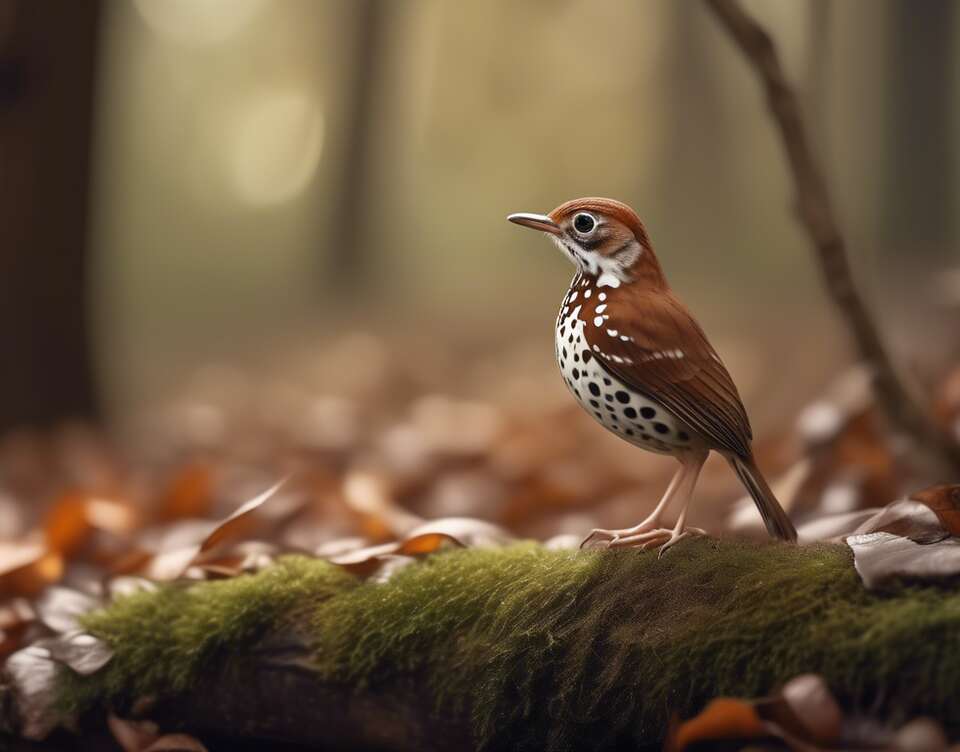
[(601, 237)]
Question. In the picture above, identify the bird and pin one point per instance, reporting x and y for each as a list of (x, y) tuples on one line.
[(636, 359)]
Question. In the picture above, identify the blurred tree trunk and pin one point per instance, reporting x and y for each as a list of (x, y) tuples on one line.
[(347, 255), (47, 65), (921, 153)]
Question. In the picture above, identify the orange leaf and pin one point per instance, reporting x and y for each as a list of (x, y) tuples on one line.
[(240, 524), (723, 718), (66, 525), (27, 568), (189, 493), (944, 500), (425, 543)]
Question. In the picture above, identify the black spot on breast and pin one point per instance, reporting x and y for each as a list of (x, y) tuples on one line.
[(586, 356), (576, 358), (606, 381), (610, 408), (576, 373), (630, 412), (599, 415), (608, 397), (660, 428), (623, 397), (564, 352), (594, 389), (646, 437), (648, 412), (594, 403), (563, 331), (629, 432), (570, 339), (683, 436), (577, 392)]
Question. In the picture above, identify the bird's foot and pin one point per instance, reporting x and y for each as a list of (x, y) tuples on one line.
[(600, 538), (643, 539)]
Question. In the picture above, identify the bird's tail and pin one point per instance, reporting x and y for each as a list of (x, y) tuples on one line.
[(776, 520)]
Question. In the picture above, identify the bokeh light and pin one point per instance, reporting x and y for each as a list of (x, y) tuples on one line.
[(275, 146), (198, 22)]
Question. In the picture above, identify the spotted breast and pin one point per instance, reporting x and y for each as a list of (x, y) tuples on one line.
[(626, 412)]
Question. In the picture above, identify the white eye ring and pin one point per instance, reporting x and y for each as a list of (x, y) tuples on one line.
[(584, 223)]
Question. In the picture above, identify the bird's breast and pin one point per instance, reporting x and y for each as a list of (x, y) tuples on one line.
[(620, 409)]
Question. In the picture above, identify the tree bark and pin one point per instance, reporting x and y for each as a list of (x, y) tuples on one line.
[(921, 154), (47, 70), (347, 259)]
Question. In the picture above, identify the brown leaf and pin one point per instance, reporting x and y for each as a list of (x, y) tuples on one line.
[(921, 735), (723, 718), (369, 495), (464, 531), (189, 492), (82, 652), (239, 525), (33, 673), (66, 526), (422, 540), (880, 557), (15, 617), (26, 568), (805, 709), (59, 608), (907, 519), (133, 736), (176, 743), (944, 500), (75, 515)]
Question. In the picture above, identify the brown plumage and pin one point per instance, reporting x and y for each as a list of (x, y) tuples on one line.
[(622, 329)]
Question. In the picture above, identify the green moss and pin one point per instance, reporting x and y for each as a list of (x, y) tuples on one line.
[(559, 649), (163, 640)]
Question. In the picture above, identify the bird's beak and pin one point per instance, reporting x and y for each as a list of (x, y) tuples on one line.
[(535, 222)]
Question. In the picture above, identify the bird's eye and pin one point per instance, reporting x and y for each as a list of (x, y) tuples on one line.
[(584, 223)]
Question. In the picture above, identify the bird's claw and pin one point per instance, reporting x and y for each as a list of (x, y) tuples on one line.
[(644, 540), (600, 538)]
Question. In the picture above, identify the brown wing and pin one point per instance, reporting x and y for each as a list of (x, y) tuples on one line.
[(653, 344)]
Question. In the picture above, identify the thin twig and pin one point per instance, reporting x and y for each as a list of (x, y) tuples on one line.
[(904, 413)]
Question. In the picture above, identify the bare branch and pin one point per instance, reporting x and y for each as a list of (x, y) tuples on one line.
[(904, 413)]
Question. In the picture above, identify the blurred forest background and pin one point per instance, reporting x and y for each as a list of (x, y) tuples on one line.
[(194, 191)]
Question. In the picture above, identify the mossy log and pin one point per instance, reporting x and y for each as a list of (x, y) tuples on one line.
[(520, 647)]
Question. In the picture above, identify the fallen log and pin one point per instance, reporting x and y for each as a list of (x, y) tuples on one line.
[(516, 647)]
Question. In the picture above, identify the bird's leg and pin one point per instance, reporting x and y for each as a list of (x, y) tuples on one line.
[(650, 523), (680, 530), (682, 486)]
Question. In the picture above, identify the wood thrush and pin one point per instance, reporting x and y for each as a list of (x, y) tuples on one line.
[(638, 362)]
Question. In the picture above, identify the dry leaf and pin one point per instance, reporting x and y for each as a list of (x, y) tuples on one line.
[(239, 525), (944, 500), (189, 493), (921, 735), (176, 743), (805, 709), (422, 540), (33, 674), (908, 519), (82, 652), (59, 608), (834, 526), (26, 568), (723, 718), (368, 494), (880, 557), (905, 539), (133, 736)]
